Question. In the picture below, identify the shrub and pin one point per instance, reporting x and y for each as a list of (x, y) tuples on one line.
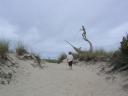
[(120, 57), (21, 49), (4, 49)]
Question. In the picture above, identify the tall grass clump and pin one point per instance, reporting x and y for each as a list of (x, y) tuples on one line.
[(21, 49), (61, 57), (120, 57), (96, 55), (103, 53), (4, 49)]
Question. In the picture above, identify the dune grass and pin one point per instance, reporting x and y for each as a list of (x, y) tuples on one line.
[(96, 55), (4, 48), (120, 57), (21, 49)]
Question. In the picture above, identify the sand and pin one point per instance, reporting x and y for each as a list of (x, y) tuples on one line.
[(58, 80)]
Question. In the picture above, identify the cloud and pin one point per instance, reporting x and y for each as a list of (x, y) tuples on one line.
[(7, 30), (44, 25), (111, 39)]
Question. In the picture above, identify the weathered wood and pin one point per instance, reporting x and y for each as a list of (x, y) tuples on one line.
[(84, 35), (78, 50)]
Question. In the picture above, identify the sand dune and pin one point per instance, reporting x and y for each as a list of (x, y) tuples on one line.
[(58, 80)]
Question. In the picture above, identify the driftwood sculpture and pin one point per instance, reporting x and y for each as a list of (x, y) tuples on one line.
[(78, 50), (84, 35)]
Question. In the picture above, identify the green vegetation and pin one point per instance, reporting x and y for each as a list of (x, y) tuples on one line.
[(4, 49), (120, 57), (96, 55), (21, 49)]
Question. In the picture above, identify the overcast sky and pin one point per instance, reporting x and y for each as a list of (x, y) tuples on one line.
[(44, 25)]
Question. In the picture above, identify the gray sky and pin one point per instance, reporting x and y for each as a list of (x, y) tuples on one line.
[(43, 25)]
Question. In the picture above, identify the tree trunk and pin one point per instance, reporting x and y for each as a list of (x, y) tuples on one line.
[(85, 38), (90, 44)]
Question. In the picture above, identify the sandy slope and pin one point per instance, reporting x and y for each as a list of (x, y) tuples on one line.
[(57, 80)]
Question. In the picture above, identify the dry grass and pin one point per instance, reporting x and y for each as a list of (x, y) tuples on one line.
[(95, 55), (21, 49), (4, 48)]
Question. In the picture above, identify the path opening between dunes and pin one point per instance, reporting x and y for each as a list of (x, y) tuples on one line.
[(58, 80)]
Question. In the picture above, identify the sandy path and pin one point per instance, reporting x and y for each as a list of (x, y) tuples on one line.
[(57, 80)]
